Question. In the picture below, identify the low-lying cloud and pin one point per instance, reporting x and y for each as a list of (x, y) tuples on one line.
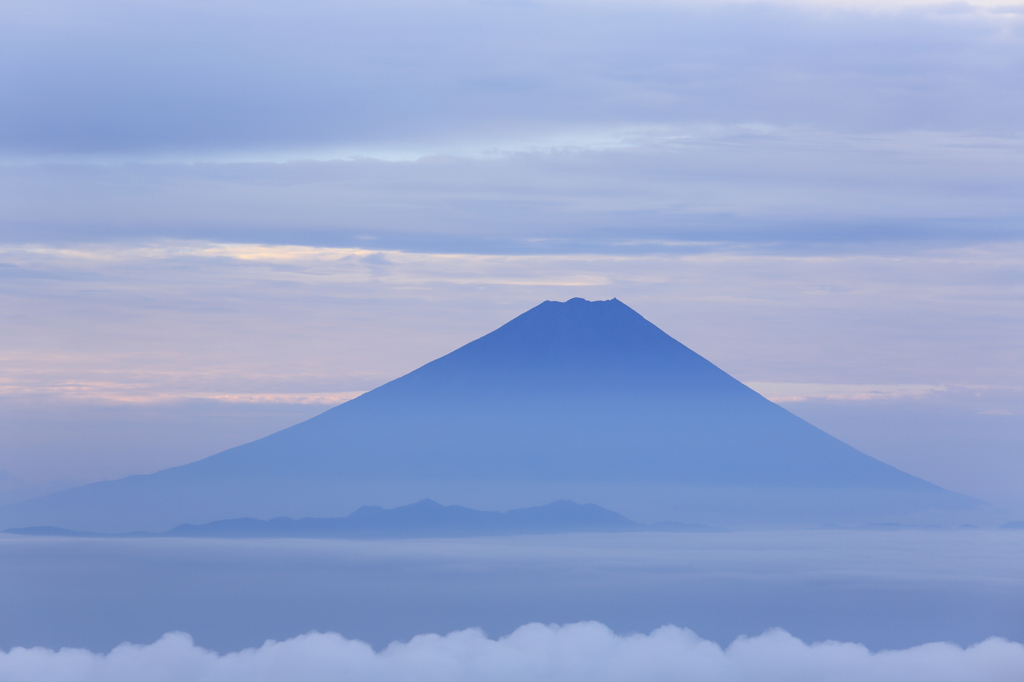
[(581, 651)]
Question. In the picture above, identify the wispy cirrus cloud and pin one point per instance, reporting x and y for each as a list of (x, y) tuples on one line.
[(171, 317), (162, 80), (783, 189), (789, 392)]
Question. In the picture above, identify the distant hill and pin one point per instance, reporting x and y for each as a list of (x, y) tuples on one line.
[(581, 400), (423, 519)]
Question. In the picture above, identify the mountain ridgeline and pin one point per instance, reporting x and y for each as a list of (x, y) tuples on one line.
[(423, 519), (584, 400)]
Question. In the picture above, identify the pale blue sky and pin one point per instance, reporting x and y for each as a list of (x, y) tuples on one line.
[(217, 218)]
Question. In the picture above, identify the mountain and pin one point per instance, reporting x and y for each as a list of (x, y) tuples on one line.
[(423, 519), (583, 399)]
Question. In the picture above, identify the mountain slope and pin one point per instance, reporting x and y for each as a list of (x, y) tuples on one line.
[(582, 400)]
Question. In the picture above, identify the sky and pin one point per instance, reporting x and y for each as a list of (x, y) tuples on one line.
[(220, 218)]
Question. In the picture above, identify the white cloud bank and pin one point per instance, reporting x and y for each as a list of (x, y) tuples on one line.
[(583, 651)]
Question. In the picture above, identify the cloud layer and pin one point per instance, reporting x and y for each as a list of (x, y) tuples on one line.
[(583, 652), (789, 188), (109, 77), (200, 320)]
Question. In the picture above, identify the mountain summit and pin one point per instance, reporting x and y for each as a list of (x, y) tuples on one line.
[(584, 400)]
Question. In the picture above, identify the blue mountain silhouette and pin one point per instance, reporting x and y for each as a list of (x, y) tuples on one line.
[(584, 400), (423, 519)]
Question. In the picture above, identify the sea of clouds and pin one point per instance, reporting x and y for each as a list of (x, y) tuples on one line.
[(586, 651)]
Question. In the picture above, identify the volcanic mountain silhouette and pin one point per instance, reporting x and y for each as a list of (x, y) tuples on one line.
[(584, 400)]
